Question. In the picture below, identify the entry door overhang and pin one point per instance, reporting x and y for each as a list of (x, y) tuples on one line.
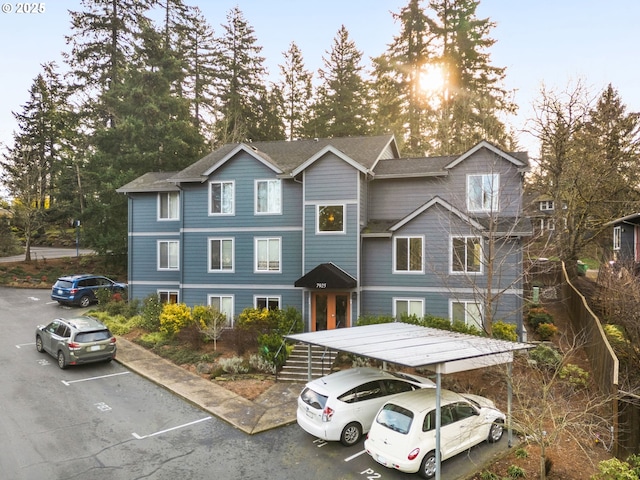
[(327, 276)]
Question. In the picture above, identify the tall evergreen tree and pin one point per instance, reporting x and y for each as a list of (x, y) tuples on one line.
[(239, 82), (342, 106), (473, 97), (295, 85)]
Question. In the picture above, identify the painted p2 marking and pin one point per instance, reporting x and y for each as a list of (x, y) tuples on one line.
[(103, 407), (372, 474)]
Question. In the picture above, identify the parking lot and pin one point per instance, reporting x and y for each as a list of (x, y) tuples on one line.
[(104, 421)]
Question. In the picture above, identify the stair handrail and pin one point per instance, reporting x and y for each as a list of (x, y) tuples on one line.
[(283, 344)]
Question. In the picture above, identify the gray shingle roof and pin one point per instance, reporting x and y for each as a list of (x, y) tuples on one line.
[(412, 167), (150, 182)]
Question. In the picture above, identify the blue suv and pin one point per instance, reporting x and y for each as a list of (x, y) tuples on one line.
[(81, 289)]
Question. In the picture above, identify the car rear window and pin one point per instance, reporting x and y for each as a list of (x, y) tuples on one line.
[(395, 418), (96, 336), (313, 399), (63, 284)]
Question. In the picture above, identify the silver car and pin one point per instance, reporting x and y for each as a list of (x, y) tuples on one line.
[(76, 340)]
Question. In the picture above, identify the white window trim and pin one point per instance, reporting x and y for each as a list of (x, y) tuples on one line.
[(407, 299), (169, 292), (255, 203), (169, 268), (344, 219), (495, 189), (256, 240), (267, 297), (465, 303), (233, 200), (465, 272), (546, 205), (617, 238), (233, 303), (233, 255), (395, 256), (169, 195)]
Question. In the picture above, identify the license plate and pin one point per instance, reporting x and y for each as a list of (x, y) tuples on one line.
[(94, 348), (382, 460), (310, 414)]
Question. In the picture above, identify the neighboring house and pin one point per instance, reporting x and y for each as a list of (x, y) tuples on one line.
[(543, 214), (337, 228), (626, 240)]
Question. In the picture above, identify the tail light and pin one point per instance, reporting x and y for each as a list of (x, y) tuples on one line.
[(74, 346), (413, 454), (327, 414), (73, 291), (112, 340)]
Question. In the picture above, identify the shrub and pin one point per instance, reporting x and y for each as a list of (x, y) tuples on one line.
[(574, 375), (489, 476), (153, 340), (174, 317), (614, 469), (505, 331), (261, 364), (546, 357), (151, 310), (436, 322), (374, 319), (515, 472), (546, 330), (272, 348), (539, 315), (233, 365), (521, 453)]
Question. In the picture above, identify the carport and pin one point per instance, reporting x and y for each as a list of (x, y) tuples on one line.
[(414, 346)]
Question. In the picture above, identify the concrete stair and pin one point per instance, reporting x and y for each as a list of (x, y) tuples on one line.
[(296, 368)]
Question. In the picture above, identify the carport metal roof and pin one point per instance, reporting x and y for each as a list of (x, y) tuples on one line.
[(415, 346)]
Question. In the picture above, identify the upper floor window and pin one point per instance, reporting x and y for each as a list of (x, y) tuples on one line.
[(330, 219), (408, 254), (482, 192), (407, 307), (547, 205), (168, 254), (221, 198), (617, 237), (467, 312), (466, 255), (268, 196), (268, 255), (168, 205), (270, 303), (221, 255)]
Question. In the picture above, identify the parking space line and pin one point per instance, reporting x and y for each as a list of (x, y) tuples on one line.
[(69, 382), (348, 459), (25, 344), (140, 437)]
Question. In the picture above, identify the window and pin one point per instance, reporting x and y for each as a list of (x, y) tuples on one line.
[(267, 255), (221, 201), (224, 304), (408, 254), (168, 254), (482, 193), (220, 255), (617, 237), (271, 303), (168, 296), (406, 307), (467, 312), (546, 205), (330, 218), (268, 196), (466, 255), (168, 206)]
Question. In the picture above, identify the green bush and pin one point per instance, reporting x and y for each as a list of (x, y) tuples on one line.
[(546, 357), (505, 331), (151, 310), (374, 320), (515, 472), (574, 376), (233, 365), (615, 469), (153, 340), (174, 317), (538, 315), (436, 322), (489, 476), (546, 330), (272, 349), (521, 453)]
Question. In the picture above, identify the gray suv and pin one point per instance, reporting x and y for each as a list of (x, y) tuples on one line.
[(76, 340)]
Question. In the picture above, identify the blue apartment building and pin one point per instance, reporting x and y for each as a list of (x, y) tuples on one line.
[(337, 228)]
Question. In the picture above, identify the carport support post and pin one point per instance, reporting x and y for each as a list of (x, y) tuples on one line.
[(509, 397), (438, 420)]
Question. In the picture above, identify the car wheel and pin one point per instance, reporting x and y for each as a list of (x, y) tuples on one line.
[(428, 465), (351, 434), (62, 362), (39, 346), (495, 433), (85, 301)]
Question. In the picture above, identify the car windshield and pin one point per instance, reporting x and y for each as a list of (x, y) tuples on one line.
[(63, 284), (97, 336), (395, 418), (313, 399)]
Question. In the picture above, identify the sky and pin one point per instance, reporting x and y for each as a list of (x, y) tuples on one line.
[(554, 43)]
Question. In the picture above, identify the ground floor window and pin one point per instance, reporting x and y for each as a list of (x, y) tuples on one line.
[(406, 307), (272, 303), (168, 296), (468, 312), (224, 304)]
